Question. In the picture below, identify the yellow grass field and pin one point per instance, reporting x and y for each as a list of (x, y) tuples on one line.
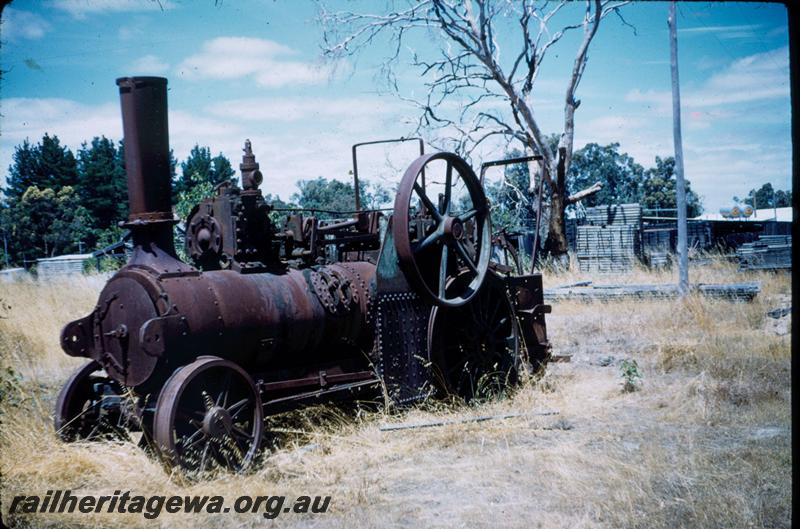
[(703, 442)]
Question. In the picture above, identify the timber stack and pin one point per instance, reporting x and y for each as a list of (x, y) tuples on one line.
[(609, 241), (768, 252)]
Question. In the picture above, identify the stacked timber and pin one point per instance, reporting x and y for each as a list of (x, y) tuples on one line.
[(768, 252), (606, 248), (614, 215), (699, 235), (657, 244), (609, 240)]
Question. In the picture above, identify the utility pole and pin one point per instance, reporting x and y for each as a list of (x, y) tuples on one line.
[(5, 248), (774, 205), (683, 255)]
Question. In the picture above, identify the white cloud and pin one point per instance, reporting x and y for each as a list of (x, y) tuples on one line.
[(71, 121), (80, 8), (724, 32), (18, 24), (263, 60), (286, 156), (725, 155), (288, 109), (758, 77), (148, 65)]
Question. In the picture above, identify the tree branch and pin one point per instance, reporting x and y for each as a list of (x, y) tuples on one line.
[(580, 195)]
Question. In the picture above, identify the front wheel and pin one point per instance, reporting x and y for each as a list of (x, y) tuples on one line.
[(208, 416)]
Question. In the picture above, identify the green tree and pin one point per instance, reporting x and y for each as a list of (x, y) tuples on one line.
[(197, 192), (200, 167), (23, 172), (336, 196), (46, 223), (783, 199), (45, 165), (102, 186), (658, 189), (221, 170), (277, 217), (620, 175), (767, 197)]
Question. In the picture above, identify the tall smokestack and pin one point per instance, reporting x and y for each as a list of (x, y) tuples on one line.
[(144, 124), (146, 140)]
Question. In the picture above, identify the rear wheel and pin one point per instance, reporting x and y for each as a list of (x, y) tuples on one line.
[(475, 349), (88, 406)]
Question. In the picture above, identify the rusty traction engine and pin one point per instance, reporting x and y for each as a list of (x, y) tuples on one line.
[(269, 317)]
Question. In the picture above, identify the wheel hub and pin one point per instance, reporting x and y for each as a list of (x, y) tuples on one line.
[(454, 228), (217, 422)]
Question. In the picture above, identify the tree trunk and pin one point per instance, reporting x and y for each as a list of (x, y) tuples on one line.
[(556, 244)]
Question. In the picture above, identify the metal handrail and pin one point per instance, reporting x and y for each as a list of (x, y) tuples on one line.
[(355, 162)]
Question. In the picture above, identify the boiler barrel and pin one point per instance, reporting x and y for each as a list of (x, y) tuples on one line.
[(146, 324)]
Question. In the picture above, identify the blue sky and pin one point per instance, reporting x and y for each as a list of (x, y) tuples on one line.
[(252, 69)]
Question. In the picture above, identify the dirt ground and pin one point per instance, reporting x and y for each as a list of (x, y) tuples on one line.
[(703, 440)]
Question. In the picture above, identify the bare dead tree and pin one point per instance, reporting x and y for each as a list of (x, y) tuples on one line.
[(494, 93)]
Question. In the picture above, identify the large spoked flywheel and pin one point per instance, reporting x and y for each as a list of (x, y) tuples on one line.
[(441, 228)]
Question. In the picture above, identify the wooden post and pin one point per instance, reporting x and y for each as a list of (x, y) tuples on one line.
[(683, 255)]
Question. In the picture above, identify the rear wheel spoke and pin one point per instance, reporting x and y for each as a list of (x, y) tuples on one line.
[(443, 271), (204, 456), (467, 215), (193, 439), (237, 407)]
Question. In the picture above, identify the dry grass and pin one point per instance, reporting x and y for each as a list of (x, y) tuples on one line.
[(704, 442)]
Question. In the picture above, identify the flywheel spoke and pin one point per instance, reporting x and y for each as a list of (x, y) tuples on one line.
[(427, 201), (448, 189)]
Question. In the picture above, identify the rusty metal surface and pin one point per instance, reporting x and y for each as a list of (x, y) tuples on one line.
[(209, 415), (475, 348), (293, 312), (401, 326), (530, 308), (232, 230), (144, 319), (439, 239), (251, 176), (144, 125)]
